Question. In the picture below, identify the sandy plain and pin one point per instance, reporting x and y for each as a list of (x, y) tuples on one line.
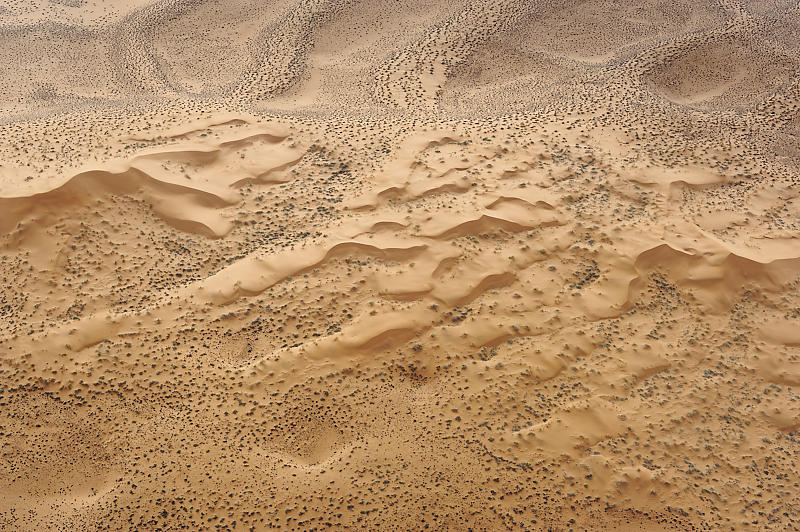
[(507, 265)]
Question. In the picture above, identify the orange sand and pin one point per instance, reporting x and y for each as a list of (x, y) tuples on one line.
[(399, 265)]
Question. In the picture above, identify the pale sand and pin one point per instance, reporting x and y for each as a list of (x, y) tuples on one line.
[(399, 265)]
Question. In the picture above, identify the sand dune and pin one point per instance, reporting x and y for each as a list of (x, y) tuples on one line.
[(399, 265)]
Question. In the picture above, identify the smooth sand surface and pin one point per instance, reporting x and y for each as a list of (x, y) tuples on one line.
[(369, 264)]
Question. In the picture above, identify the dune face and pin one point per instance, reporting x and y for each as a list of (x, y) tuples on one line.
[(399, 265)]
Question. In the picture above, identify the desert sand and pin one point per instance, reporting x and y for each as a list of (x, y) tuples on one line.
[(381, 265)]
